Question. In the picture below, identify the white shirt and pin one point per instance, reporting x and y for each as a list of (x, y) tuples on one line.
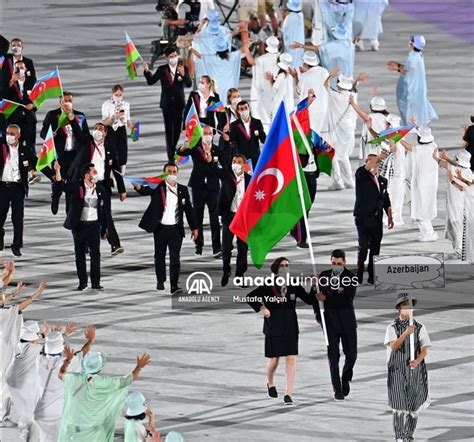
[(98, 158), (203, 104), (169, 214), (68, 131), (11, 170), (239, 193), (391, 335), (247, 127), (110, 107), (173, 71), (89, 211)]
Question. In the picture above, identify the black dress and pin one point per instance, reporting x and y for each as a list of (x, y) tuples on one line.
[(281, 328)]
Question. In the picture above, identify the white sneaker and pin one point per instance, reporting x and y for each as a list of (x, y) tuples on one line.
[(336, 186), (7, 423), (350, 185), (375, 44), (429, 238), (359, 45), (398, 221)]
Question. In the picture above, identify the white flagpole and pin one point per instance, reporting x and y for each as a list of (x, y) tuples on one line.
[(305, 218), (412, 336)]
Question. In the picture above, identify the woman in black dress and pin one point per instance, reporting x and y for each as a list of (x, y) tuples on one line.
[(280, 327)]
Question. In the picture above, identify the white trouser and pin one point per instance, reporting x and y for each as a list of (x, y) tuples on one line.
[(5, 402), (342, 172), (426, 228)]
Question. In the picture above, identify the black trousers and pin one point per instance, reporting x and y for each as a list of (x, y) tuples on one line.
[(227, 240), (348, 338), (173, 119), (168, 237), (299, 231), (119, 139), (201, 198), (12, 195), (112, 235), (87, 235), (370, 233), (58, 188)]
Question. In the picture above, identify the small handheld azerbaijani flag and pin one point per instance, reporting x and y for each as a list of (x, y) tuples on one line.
[(131, 57), (48, 151), (217, 106), (135, 133), (193, 127), (64, 120), (178, 159), (2, 59), (7, 107), (394, 134), (48, 86), (151, 181), (325, 153)]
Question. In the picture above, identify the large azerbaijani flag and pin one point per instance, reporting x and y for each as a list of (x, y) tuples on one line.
[(272, 204), (48, 151), (7, 107), (394, 134), (131, 57), (48, 86), (193, 127)]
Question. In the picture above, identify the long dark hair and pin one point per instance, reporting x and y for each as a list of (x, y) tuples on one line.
[(276, 264)]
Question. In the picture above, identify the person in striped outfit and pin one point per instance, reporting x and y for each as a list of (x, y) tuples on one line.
[(407, 381)]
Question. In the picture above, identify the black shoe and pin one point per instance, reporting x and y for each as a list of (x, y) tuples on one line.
[(97, 287), (116, 250), (338, 396), (54, 206), (176, 290), (160, 286), (370, 281), (16, 251), (217, 255), (81, 287), (287, 400), (198, 252), (302, 245), (272, 391), (346, 388), (225, 279)]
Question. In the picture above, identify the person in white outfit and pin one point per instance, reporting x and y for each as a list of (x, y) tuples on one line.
[(342, 120), (293, 31), (313, 78), (261, 92), (424, 183), (135, 428), (283, 84), (367, 22)]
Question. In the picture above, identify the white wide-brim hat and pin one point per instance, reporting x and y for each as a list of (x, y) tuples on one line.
[(272, 44), (419, 42), (222, 45), (393, 119), (212, 14), (54, 343), (136, 404), (378, 104), (294, 5), (173, 436), (214, 27), (93, 362), (425, 135), (311, 58), (345, 82), (285, 61), (29, 331), (463, 158), (339, 32)]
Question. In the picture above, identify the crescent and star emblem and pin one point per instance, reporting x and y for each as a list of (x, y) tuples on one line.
[(260, 194)]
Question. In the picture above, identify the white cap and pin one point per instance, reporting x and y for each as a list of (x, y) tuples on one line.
[(54, 343), (393, 119), (378, 104), (345, 82), (285, 61), (425, 135), (29, 331), (272, 44), (463, 158), (311, 58)]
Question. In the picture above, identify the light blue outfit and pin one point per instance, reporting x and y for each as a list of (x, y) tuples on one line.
[(412, 92), (293, 30), (367, 23), (205, 42), (340, 53), (335, 14), (226, 73)]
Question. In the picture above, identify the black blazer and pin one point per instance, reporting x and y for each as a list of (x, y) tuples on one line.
[(203, 174), (73, 218), (212, 118), (283, 320), (228, 189), (151, 220), (65, 158), (245, 144), (172, 91), (85, 155), (370, 202), (4, 45), (14, 93), (26, 161), (338, 307)]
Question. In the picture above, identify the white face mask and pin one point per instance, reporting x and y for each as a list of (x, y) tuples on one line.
[(22, 73), (207, 139), (17, 50), (173, 61), (337, 269), (172, 179), (236, 101), (11, 139), (236, 168), (117, 98), (245, 114), (202, 87), (95, 179), (97, 134), (283, 271)]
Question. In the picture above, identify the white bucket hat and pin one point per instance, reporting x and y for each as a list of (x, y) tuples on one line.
[(272, 44), (419, 42), (463, 158), (285, 61), (173, 436), (136, 404), (311, 58), (393, 119), (29, 331), (294, 5), (345, 82), (425, 135), (378, 104), (54, 343), (93, 362)]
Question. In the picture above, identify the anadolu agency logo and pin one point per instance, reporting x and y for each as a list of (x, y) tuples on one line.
[(199, 283)]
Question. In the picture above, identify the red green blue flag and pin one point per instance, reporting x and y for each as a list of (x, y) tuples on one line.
[(394, 134), (7, 107), (300, 117), (2, 59), (272, 205), (64, 120), (150, 181), (216, 106), (181, 160), (135, 133), (48, 151), (325, 153), (48, 86), (193, 127), (131, 57)]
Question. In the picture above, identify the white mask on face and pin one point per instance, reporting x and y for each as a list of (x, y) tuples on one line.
[(202, 87), (11, 140), (236, 168), (95, 179), (245, 114), (283, 271), (236, 101), (172, 179), (117, 98), (22, 72), (207, 139), (17, 50), (173, 61), (337, 269), (97, 134)]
